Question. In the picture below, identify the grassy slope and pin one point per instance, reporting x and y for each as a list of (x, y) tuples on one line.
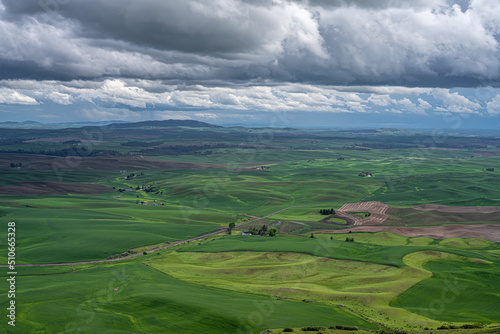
[(337, 249), (64, 228), (362, 287), (465, 289), (131, 298), (72, 229), (365, 287)]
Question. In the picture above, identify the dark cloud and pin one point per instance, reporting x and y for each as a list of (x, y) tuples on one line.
[(414, 43), (18, 69), (187, 26)]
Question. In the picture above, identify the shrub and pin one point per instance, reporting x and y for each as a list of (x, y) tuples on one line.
[(346, 328), (471, 326), (350, 328), (312, 329), (288, 329)]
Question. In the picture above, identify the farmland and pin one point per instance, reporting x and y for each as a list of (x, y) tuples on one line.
[(425, 217)]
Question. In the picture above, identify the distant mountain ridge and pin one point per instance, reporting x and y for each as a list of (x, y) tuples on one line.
[(164, 124), (115, 123)]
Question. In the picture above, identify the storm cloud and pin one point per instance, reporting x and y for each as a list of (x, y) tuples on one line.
[(416, 43), (203, 57)]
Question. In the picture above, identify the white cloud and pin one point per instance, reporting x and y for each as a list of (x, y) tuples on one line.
[(206, 115), (393, 111), (60, 98), (411, 107), (454, 102), (9, 96), (380, 100), (385, 90), (493, 107), (424, 104), (145, 98)]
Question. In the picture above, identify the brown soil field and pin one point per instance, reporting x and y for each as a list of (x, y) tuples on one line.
[(54, 188), (485, 231), (486, 154), (457, 209), (209, 144), (34, 162), (439, 149), (377, 212)]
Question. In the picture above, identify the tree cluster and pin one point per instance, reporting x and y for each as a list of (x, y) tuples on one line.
[(349, 239), (263, 231), (327, 212), (130, 176), (136, 143), (18, 165)]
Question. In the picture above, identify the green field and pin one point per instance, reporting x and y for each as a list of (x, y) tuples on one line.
[(456, 288), (148, 187), (388, 255), (373, 285), (72, 229), (132, 298)]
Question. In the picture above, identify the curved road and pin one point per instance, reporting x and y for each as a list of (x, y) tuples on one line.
[(157, 248)]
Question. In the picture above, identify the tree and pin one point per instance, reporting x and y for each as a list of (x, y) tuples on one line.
[(352, 240), (331, 238), (312, 236), (347, 239), (230, 228), (263, 230), (272, 232)]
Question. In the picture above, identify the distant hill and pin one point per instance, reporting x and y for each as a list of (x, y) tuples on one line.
[(20, 125), (165, 124), (116, 124), (38, 125)]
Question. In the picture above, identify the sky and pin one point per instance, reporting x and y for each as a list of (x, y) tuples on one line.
[(294, 63)]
